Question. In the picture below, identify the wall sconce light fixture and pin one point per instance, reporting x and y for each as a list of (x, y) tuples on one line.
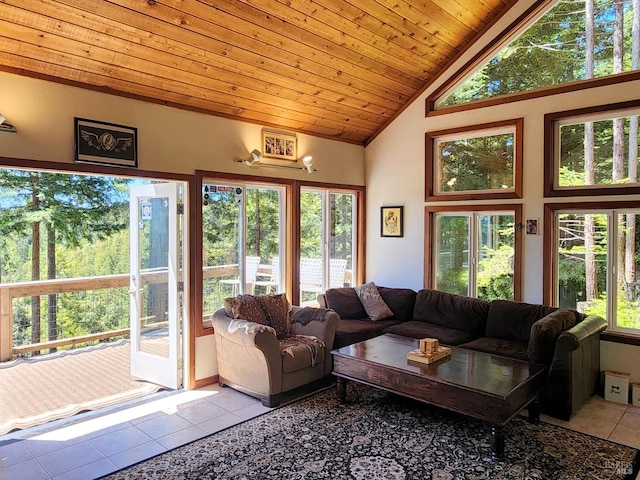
[(6, 127), (255, 157)]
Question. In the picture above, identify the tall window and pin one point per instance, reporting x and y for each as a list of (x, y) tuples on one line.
[(574, 40), (328, 224), (242, 241), (596, 262), (474, 253)]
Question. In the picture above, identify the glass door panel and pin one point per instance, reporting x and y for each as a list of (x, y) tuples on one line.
[(582, 261), (452, 253), (312, 243), (155, 270), (341, 240), (494, 270), (627, 300), (221, 247), (263, 239)]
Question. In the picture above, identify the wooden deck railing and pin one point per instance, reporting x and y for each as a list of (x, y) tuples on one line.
[(10, 291)]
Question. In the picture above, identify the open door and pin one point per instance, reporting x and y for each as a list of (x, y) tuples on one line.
[(154, 284)]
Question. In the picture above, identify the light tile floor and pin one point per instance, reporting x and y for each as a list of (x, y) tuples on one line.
[(95, 444), (90, 445)]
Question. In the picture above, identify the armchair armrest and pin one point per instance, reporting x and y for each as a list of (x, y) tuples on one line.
[(318, 322), (248, 353)]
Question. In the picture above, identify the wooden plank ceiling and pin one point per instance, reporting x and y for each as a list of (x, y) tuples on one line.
[(332, 68)]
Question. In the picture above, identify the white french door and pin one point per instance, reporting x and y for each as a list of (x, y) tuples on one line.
[(154, 284)]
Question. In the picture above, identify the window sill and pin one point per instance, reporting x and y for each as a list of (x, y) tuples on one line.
[(620, 337)]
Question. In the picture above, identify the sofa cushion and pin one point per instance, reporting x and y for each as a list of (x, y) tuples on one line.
[(466, 314), (418, 329), (498, 346), (401, 301), (545, 332), (345, 302), (356, 330), (372, 302), (513, 320)]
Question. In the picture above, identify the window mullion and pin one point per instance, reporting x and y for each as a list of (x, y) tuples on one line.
[(473, 254)]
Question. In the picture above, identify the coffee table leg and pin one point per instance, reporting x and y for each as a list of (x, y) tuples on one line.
[(497, 442), (534, 411), (341, 389)]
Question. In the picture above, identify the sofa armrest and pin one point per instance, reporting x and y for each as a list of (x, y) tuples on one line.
[(545, 332), (571, 339), (574, 374)]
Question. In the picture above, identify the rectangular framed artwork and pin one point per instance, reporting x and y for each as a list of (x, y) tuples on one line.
[(531, 226), (279, 145), (391, 221), (105, 143)]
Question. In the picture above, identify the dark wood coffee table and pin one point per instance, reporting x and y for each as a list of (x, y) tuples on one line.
[(483, 386)]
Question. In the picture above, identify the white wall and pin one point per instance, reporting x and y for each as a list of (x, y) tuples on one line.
[(169, 140), (395, 175)]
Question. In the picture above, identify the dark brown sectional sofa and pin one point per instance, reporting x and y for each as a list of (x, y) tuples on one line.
[(567, 341)]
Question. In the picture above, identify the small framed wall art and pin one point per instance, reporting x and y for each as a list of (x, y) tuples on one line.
[(279, 145), (105, 143), (391, 221), (531, 226)]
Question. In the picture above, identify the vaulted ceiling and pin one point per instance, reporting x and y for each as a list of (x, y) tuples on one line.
[(334, 68)]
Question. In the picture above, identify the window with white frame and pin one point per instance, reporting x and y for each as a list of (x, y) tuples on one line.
[(596, 264), (328, 228), (243, 240), (473, 253)]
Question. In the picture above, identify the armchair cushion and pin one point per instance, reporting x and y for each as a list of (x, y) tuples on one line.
[(270, 310), (301, 351)]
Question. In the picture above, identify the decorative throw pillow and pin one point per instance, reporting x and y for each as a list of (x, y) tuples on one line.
[(372, 301), (245, 307), (270, 310), (276, 310)]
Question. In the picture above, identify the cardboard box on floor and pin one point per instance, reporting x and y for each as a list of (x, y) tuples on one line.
[(635, 394), (616, 386)]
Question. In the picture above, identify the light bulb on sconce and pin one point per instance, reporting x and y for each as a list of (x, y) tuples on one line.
[(254, 159), (6, 127), (308, 163)]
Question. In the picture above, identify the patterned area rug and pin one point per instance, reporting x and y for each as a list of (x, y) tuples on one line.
[(377, 435)]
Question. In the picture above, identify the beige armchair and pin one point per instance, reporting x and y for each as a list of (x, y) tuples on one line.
[(252, 360)]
